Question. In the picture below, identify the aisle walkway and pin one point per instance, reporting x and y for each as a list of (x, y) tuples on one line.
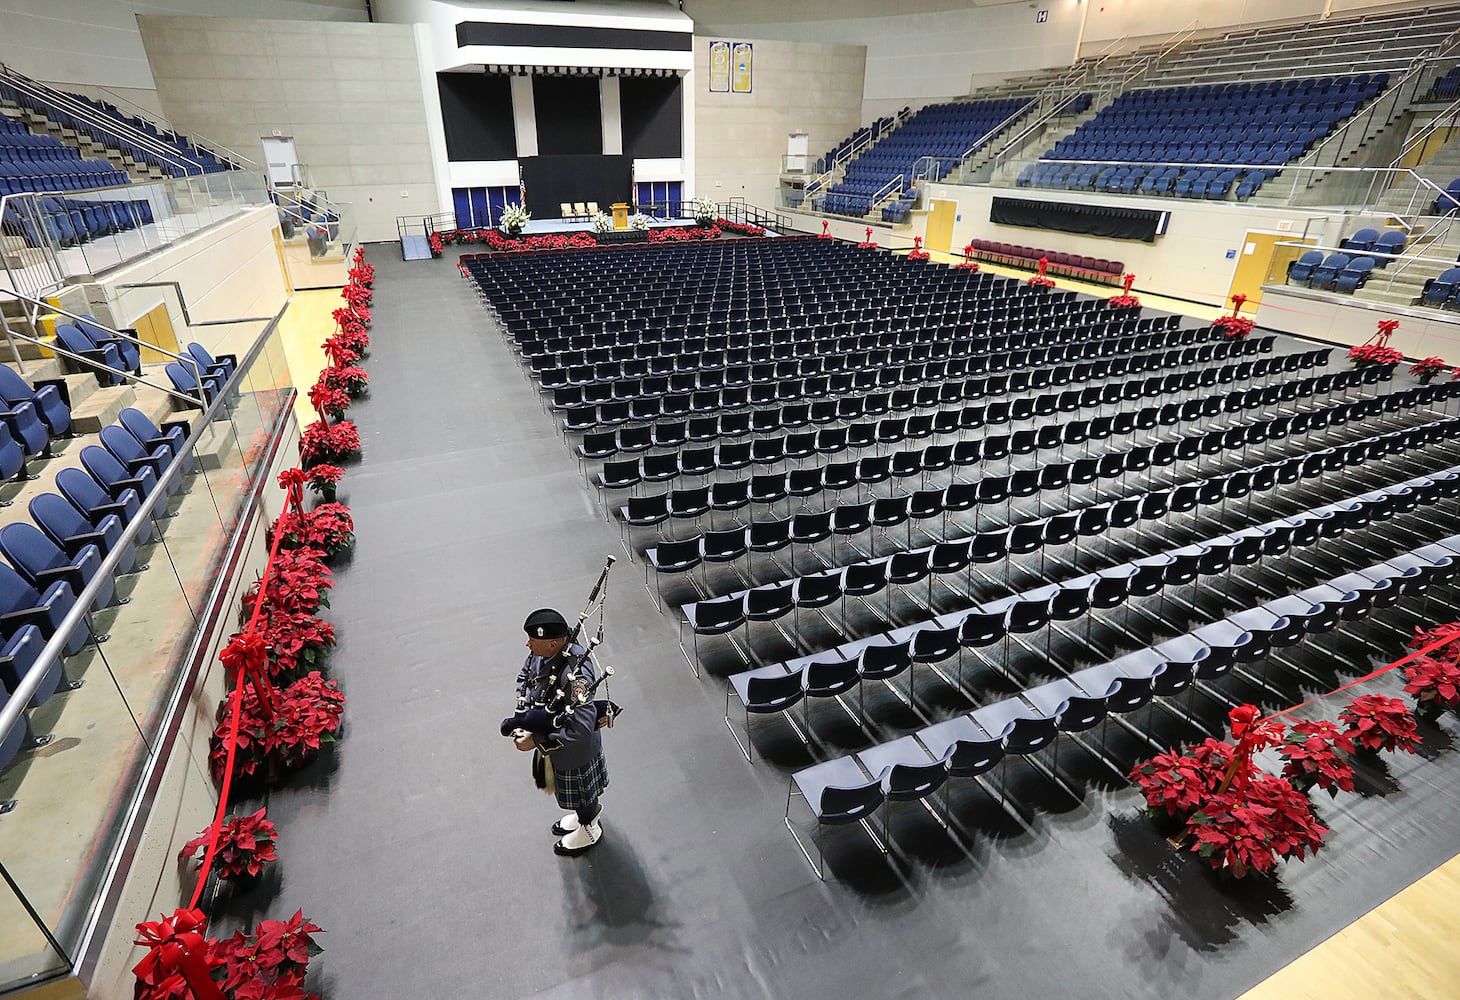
[(422, 848)]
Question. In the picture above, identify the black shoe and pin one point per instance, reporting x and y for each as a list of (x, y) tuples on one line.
[(579, 841)]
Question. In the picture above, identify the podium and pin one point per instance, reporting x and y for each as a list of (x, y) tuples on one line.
[(620, 215)]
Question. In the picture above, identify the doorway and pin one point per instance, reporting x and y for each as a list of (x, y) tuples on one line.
[(939, 233), (282, 161), (1255, 261)]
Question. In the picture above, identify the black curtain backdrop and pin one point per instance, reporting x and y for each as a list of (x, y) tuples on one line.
[(569, 119), (552, 180), (651, 111), (476, 112), (1090, 220)]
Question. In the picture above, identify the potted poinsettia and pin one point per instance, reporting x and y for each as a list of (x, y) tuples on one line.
[(1246, 830), (325, 480), (245, 847), (323, 442), (306, 718), (1425, 369), (329, 401), (266, 963), (1434, 683), (297, 642), (1373, 354), (299, 582), (351, 378), (1377, 722), (1318, 753)]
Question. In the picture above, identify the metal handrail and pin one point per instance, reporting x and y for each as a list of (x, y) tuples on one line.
[(94, 119), (1451, 111), (1402, 262), (1409, 81), (842, 159), (200, 142), (35, 306), (20, 698)]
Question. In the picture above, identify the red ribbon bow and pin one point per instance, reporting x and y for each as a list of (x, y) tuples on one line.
[(1130, 279), (179, 950)]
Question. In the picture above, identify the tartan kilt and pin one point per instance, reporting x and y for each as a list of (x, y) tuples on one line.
[(581, 786)]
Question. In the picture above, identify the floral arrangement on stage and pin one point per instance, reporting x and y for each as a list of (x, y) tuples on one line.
[(742, 228), (705, 211), (245, 846), (681, 234), (601, 223), (1426, 369), (639, 222), (514, 219)]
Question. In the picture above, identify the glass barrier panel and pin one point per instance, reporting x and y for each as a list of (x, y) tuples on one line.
[(26, 954), (74, 791)]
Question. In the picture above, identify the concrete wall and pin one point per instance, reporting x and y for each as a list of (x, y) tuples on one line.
[(740, 138), (226, 273), (349, 95), (93, 46), (1343, 320)]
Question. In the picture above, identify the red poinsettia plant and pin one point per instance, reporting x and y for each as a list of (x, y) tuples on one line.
[(1238, 817), (323, 442), (339, 352), (327, 528), (297, 642), (1434, 682), (306, 717), (351, 378), (362, 274), (356, 295), (1318, 753), (1125, 300), (1374, 354), (679, 234), (298, 582), (743, 228), (267, 963), (1427, 368), (245, 846), (329, 401), (1247, 830), (1378, 722), (323, 479)]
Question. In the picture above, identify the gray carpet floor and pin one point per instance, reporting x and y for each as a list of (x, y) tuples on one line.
[(423, 849)]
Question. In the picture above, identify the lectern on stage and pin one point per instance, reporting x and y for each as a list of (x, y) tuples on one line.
[(620, 215)]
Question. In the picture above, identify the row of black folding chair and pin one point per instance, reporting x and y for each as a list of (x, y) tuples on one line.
[(957, 555), (833, 357), (923, 384), (695, 354), (850, 789), (538, 339), (702, 462), (850, 520), (793, 403), (1044, 607), (779, 344)]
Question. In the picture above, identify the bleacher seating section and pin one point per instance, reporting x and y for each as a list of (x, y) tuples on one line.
[(42, 163), (122, 135), (945, 132), (1447, 87), (1251, 128), (857, 138), (1096, 269)]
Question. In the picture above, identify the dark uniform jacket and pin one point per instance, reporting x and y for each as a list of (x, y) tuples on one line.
[(578, 741)]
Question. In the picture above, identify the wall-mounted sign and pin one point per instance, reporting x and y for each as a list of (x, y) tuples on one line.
[(1041, 17), (740, 75), (719, 67)]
